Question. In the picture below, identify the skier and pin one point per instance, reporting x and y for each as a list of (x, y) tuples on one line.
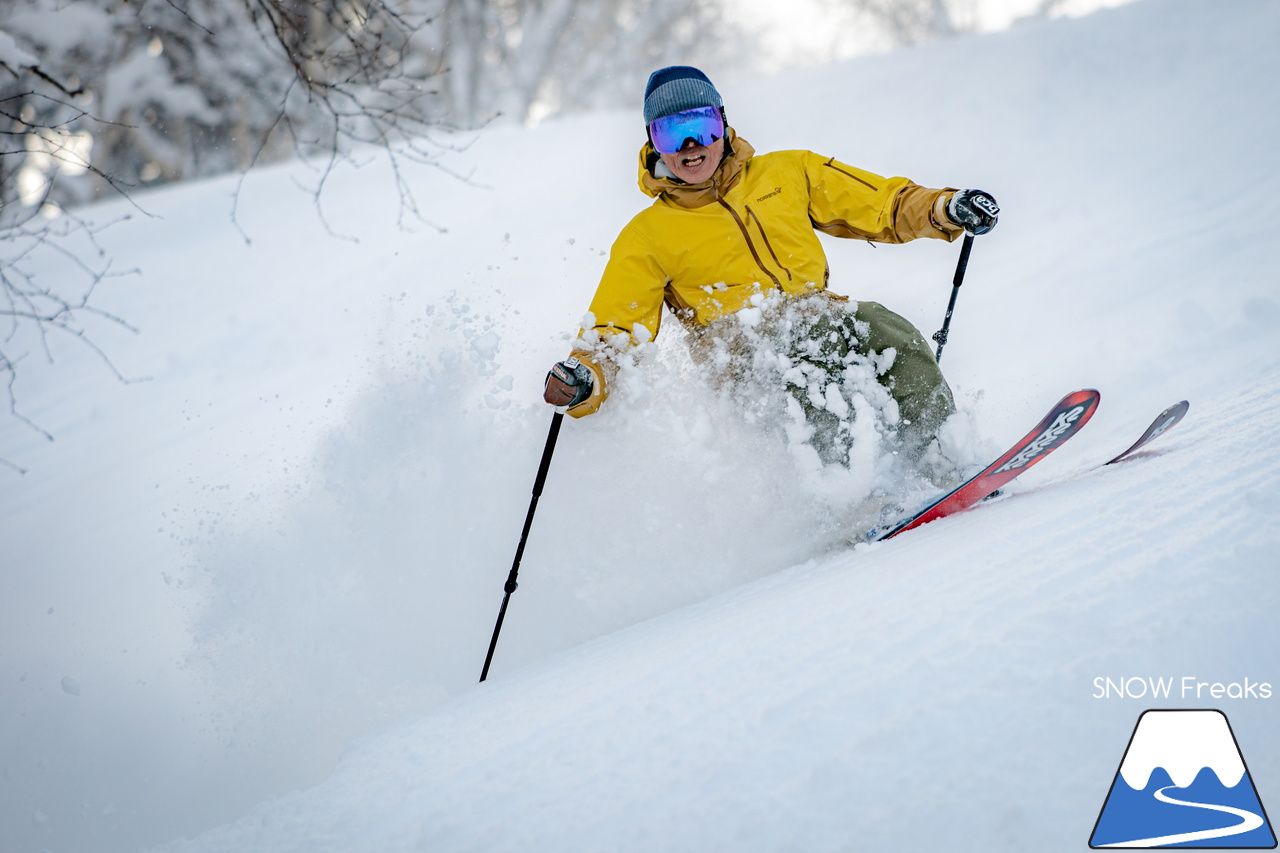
[(729, 245)]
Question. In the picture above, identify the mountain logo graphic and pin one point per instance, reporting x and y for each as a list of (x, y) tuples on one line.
[(1183, 783)]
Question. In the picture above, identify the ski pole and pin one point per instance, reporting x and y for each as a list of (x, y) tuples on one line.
[(941, 335), (510, 587)]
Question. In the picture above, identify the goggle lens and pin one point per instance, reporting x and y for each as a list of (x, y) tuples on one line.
[(703, 125)]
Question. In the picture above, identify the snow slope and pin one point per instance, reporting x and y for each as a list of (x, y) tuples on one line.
[(295, 531)]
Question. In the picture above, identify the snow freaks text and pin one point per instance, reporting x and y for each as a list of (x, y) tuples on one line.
[(1186, 687)]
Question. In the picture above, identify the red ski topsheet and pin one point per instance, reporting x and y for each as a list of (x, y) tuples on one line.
[(1063, 421)]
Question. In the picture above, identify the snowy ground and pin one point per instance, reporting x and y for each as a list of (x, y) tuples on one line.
[(294, 532)]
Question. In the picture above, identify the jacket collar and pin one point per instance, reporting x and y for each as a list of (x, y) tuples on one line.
[(725, 177)]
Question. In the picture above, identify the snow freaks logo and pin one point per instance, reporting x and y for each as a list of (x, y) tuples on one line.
[(1183, 783)]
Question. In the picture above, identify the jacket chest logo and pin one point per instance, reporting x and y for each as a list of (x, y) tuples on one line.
[(769, 195)]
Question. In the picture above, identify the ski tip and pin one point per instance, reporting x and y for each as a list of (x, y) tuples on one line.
[(1083, 395), (1165, 421), (1086, 398)]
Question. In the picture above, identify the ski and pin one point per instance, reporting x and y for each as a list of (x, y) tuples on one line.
[(1063, 421), (1162, 424)]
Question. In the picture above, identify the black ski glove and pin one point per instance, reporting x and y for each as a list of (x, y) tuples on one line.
[(975, 210), (568, 383)]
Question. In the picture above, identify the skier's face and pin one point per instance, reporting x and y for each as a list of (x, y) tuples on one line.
[(694, 163)]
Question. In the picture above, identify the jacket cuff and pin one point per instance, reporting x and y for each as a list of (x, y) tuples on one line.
[(941, 220), (599, 390)]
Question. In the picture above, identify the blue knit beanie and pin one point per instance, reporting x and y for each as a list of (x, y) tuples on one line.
[(677, 88)]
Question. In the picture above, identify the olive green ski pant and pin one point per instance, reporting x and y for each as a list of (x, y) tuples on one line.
[(818, 338), (914, 379)]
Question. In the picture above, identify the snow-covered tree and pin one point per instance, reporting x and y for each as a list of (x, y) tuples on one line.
[(113, 93), (896, 23), (101, 96), (527, 59)]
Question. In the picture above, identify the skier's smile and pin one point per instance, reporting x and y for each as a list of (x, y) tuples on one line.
[(694, 163)]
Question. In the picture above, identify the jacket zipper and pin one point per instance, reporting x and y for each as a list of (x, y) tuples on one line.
[(751, 214), (830, 164), (747, 236)]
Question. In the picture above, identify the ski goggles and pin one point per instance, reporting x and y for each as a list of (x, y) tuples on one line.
[(703, 125)]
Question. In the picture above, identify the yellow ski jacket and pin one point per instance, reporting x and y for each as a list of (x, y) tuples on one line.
[(705, 249)]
